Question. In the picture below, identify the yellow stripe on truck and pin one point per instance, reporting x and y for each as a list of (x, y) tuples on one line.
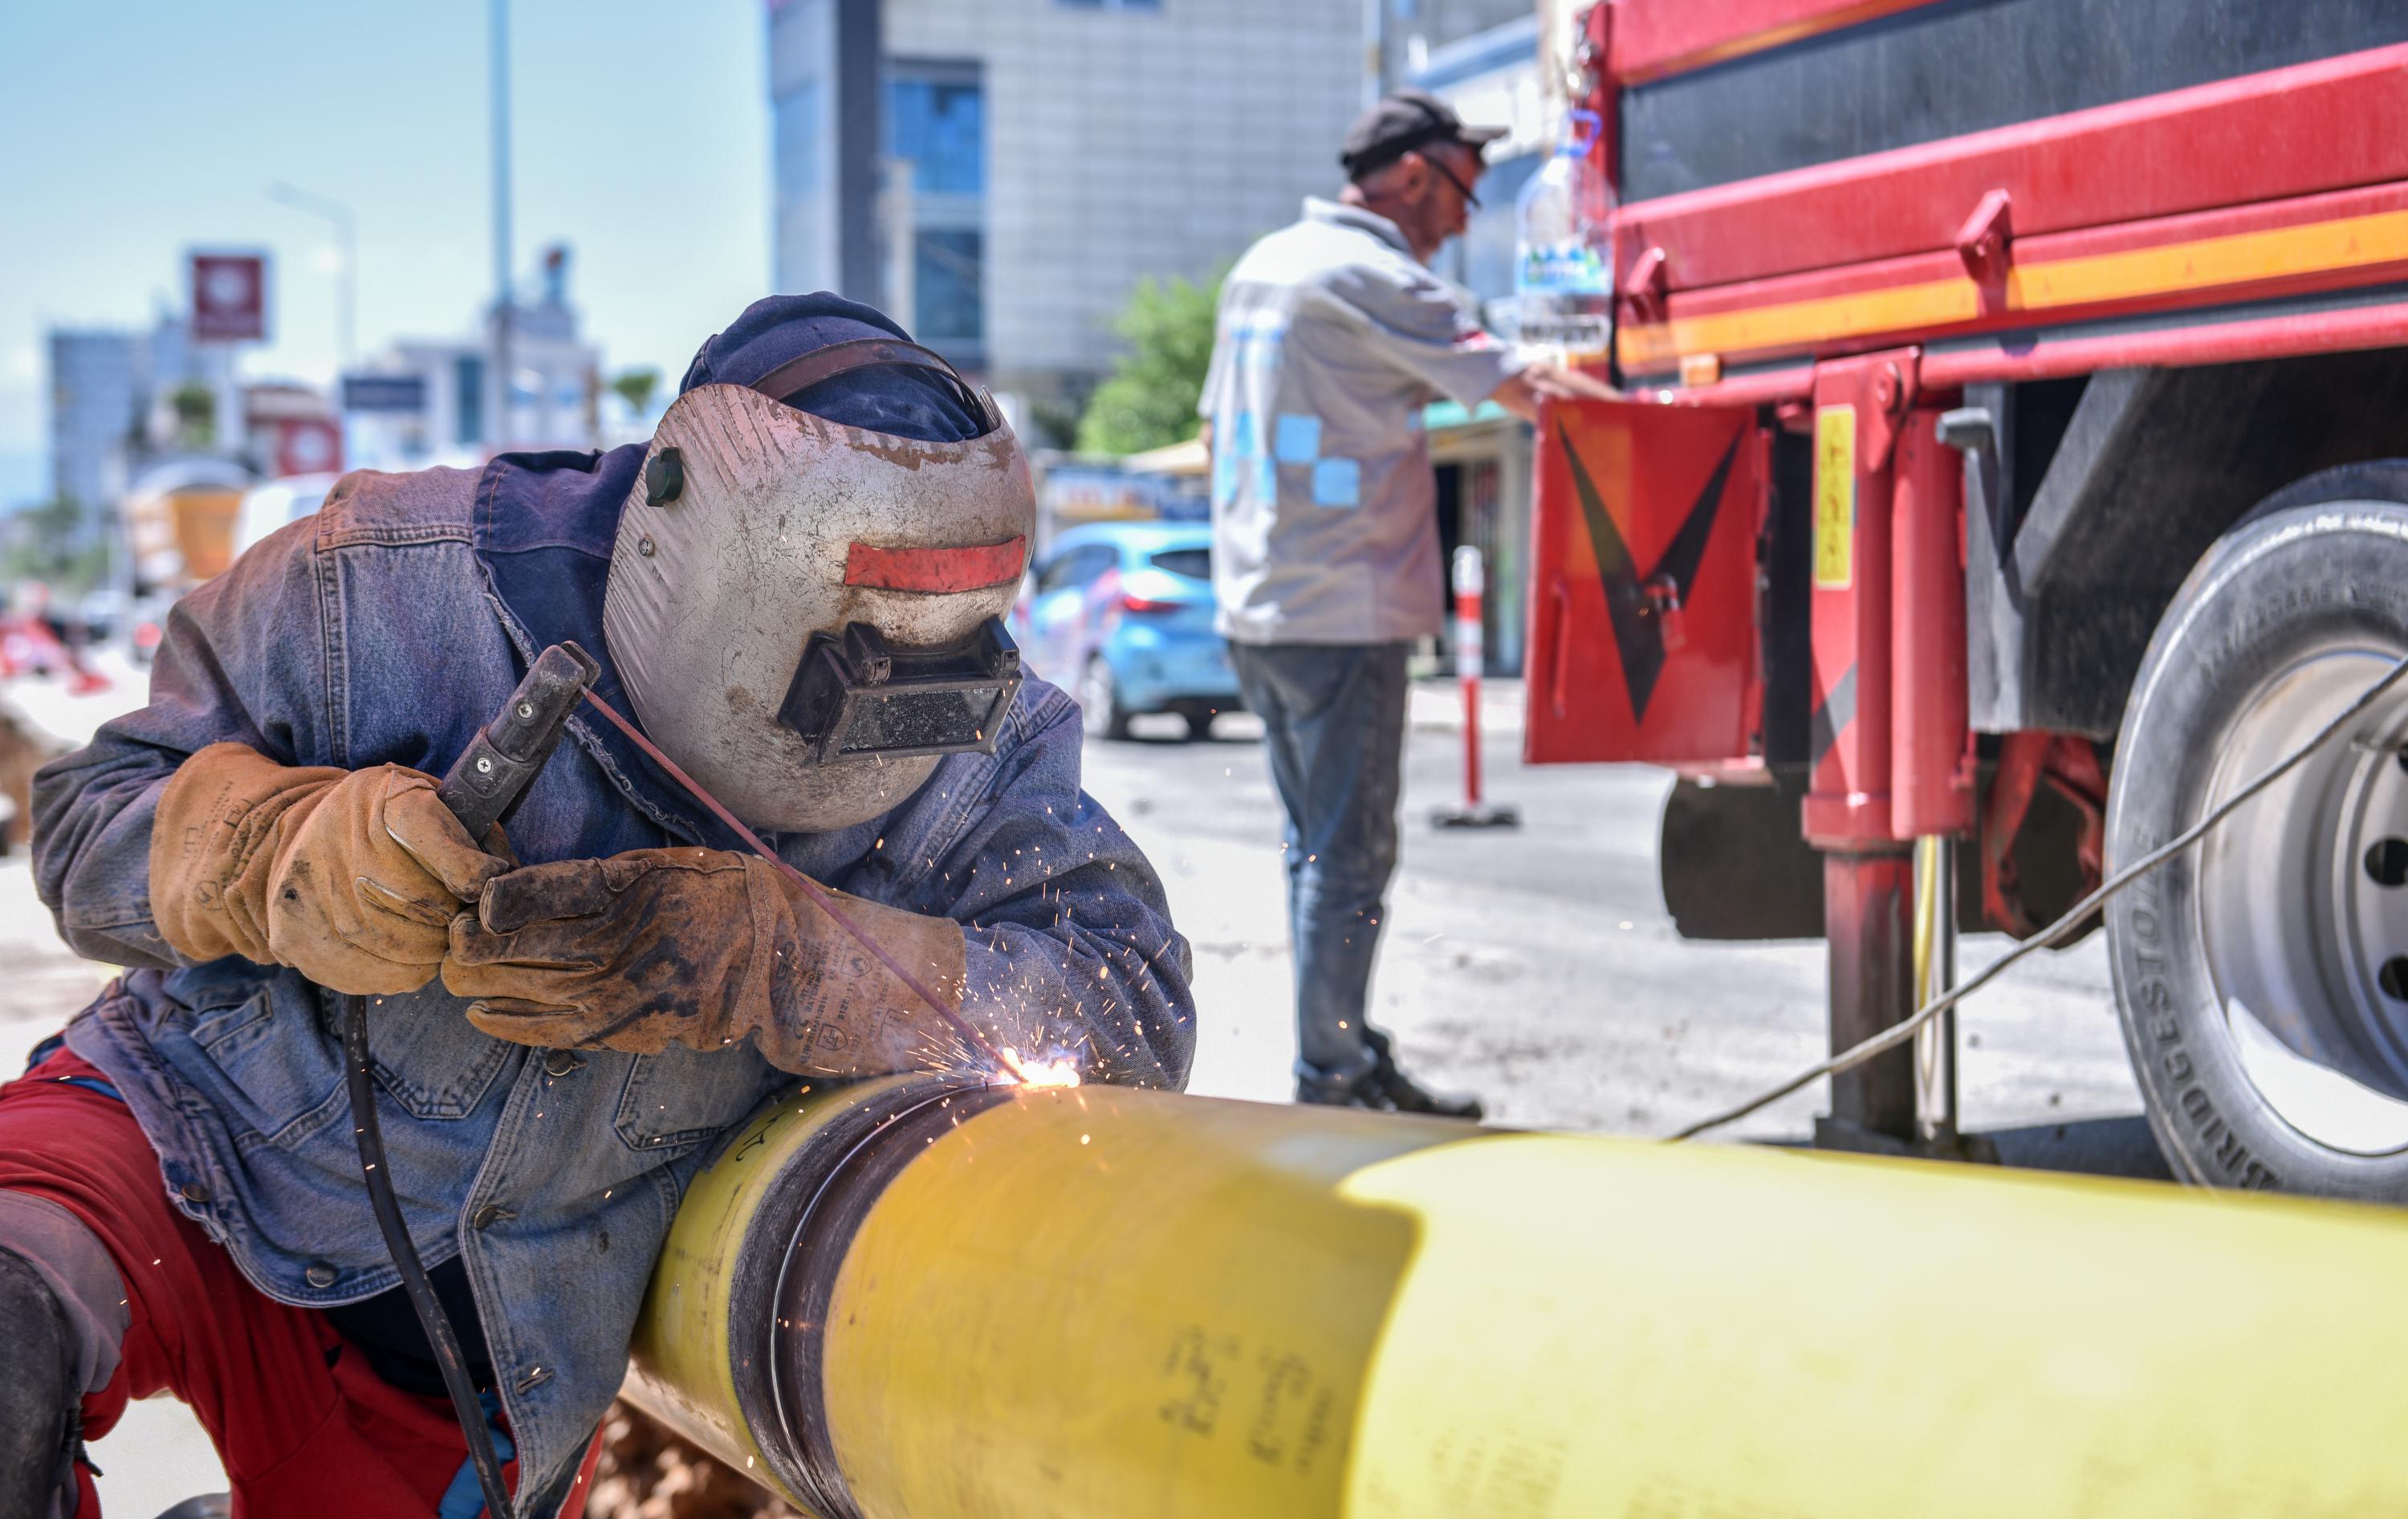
[(2240, 258)]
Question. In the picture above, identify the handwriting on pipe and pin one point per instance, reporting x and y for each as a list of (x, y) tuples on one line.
[(1274, 1401)]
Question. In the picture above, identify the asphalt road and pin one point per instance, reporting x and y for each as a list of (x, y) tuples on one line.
[(1538, 968)]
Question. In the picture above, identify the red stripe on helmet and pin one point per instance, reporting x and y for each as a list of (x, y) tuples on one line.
[(973, 569)]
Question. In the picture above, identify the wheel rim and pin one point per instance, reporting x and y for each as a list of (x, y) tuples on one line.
[(2303, 906), (1096, 697)]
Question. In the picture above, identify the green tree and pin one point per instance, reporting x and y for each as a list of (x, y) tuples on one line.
[(635, 387), (1149, 399), (53, 542), (196, 414)]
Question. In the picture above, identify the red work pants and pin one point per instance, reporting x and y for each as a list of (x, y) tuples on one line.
[(304, 1427)]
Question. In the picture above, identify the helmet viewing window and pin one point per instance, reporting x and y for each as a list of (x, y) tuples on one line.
[(854, 697)]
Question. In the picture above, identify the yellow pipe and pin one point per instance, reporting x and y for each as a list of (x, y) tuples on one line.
[(702, 1329), (1100, 1303)]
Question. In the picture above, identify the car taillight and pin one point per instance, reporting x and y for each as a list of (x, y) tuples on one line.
[(1145, 604)]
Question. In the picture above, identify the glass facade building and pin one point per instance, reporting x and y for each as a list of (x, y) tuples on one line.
[(825, 106), (1001, 173), (936, 155)]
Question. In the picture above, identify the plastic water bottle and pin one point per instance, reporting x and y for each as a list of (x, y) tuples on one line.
[(1563, 272)]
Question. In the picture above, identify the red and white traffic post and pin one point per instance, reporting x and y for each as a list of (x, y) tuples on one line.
[(1470, 654)]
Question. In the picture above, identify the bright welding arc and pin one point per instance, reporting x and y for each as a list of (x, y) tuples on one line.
[(817, 894), (1897, 1034)]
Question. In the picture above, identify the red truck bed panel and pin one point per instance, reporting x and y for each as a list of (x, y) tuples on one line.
[(1652, 38), (1846, 253)]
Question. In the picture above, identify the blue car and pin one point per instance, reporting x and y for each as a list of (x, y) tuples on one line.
[(1120, 614)]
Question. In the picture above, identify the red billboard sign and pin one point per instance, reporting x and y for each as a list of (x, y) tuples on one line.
[(308, 446), (229, 297)]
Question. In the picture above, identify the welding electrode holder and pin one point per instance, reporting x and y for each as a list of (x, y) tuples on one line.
[(482, 788), (492, 774)]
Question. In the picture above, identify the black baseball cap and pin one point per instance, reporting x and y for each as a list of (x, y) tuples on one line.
[(1403, 122)]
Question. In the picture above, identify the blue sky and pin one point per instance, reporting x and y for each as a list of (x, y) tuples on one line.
[(132, 130)]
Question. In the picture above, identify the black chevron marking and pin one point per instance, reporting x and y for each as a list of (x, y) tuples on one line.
[(1687, 549), (1638, 633), (1838, 710)]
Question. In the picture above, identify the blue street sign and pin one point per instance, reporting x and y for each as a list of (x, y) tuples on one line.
[(384, 393)]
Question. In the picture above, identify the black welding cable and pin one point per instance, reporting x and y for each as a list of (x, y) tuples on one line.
[(2056, 933), (431, 1317)]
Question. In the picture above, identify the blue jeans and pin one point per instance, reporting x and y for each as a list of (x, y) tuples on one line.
[(1334, 726)]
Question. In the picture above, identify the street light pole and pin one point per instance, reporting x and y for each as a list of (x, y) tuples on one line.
[(1375, 51), (499, 13), (346, 291)]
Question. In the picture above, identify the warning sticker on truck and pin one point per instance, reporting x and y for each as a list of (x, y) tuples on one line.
[(1835, 496)]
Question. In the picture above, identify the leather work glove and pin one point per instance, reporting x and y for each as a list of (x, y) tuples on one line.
[(701, 947), (350, 877)]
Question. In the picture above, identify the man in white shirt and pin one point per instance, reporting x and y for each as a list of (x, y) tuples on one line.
[(1333, 335)]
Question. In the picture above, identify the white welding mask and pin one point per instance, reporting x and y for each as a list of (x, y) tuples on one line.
[(808, 615)]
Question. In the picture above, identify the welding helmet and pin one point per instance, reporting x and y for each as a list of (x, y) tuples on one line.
[(807, 613)]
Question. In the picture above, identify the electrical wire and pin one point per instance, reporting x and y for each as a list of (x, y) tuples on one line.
[(2056, 933), (441, 1338)]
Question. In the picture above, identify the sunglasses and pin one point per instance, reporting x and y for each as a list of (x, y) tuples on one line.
[(1470, 201)]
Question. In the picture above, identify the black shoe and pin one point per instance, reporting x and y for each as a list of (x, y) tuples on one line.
[(1407, 1095), (1358, 1088), (41, 1421)]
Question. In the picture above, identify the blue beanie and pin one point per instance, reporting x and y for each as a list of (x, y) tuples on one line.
[(882, 398)]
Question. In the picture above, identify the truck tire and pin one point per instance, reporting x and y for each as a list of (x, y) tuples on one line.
[(2261, 976)]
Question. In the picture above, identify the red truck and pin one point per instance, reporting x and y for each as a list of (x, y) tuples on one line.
[(2014, 450)]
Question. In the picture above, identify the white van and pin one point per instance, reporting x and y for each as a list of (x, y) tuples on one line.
[(269, 506)]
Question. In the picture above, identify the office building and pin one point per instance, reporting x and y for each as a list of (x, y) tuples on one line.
[(430, 401), (1415, 35), (96, 413), (113, 405), (1000, 173)]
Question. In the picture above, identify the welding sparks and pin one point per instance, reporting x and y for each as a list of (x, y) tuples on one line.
[(1041, 1072)]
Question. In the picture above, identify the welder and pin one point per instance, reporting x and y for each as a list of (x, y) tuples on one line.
[(794, 591)]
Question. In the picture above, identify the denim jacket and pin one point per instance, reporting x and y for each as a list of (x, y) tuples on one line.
[(389, 628)]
